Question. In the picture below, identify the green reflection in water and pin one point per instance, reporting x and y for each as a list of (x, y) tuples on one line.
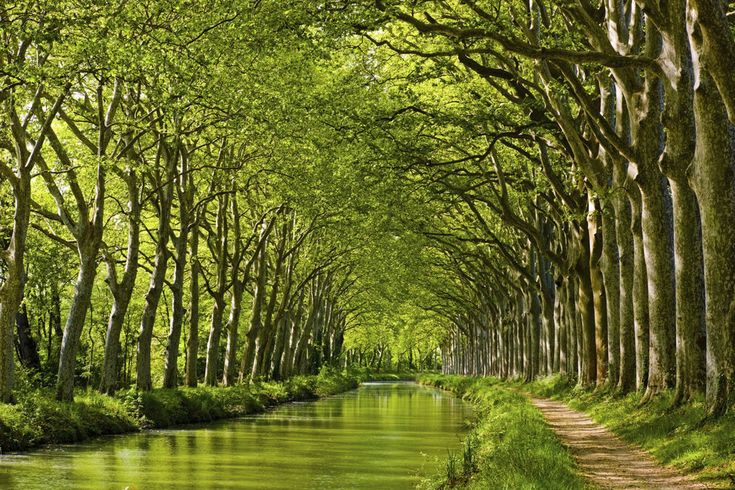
[(379, 436)]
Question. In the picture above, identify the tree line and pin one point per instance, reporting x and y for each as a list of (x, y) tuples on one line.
[(584, 156), (140, 154)]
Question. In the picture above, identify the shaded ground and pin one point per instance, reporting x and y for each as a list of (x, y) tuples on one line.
[(605, 459)]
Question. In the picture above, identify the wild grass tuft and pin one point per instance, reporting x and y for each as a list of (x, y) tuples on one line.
[(452, 472)]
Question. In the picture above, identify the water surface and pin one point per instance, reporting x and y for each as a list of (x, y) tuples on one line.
[(380, 436)]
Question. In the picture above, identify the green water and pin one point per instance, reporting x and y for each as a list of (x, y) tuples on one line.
[(380, 436)]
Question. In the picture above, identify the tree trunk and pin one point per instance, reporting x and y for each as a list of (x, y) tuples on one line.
[(599, 298), (11, 289), (233, 323), (27, 347), (640, 292), (253, 332), (13, 257), (610, 267), (75, 320), (109, 381), (657, 241), (267, 337), (690, 305), (624, 235), (192, 344), (121, 292), (164, 185), (215, 330), (170, 370), (586, 308), (148, 318), (713, 180), (185, 192)]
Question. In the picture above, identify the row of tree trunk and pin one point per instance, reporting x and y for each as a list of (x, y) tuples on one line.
[(611, 203), (175, 188)]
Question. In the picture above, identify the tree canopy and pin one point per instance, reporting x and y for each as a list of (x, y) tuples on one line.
[(222, 191)]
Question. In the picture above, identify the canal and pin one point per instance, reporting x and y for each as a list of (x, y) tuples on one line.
[(380, 436)]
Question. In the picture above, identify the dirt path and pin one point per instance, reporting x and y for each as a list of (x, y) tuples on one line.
[(605, 459)]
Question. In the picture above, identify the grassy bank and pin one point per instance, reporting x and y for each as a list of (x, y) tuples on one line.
[(509, 446), (681, 437), (39, 419), (365, 374)]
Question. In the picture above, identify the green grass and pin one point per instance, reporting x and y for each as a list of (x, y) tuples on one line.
[(39, 419), (681, 437), (509, 446)]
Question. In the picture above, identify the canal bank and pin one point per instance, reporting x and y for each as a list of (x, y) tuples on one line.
[(509, 446), (38, 419)]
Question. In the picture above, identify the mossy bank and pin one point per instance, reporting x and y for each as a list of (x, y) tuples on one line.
[(38, 419)]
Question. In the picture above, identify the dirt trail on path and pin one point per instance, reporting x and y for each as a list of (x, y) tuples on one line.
[(605, 459)]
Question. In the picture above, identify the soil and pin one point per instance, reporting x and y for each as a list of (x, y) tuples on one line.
[(605, 459)]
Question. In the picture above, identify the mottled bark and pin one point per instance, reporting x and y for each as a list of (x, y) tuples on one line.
[(282, 321), (534, 325), (290, 344), (170, 369), (640, 292), (624, 235), (230, 372), (88, 237), (562, 324), (86, 228), (712, 39), (229, 377), (75, 321), (13, 257), (610, 266), (586, 309), (713, 180), (657, 242), (598, 291), (680, 129), (268, 332), (148, 318), (690, 305)]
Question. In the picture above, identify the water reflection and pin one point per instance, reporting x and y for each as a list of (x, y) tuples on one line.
[(379, 436)]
